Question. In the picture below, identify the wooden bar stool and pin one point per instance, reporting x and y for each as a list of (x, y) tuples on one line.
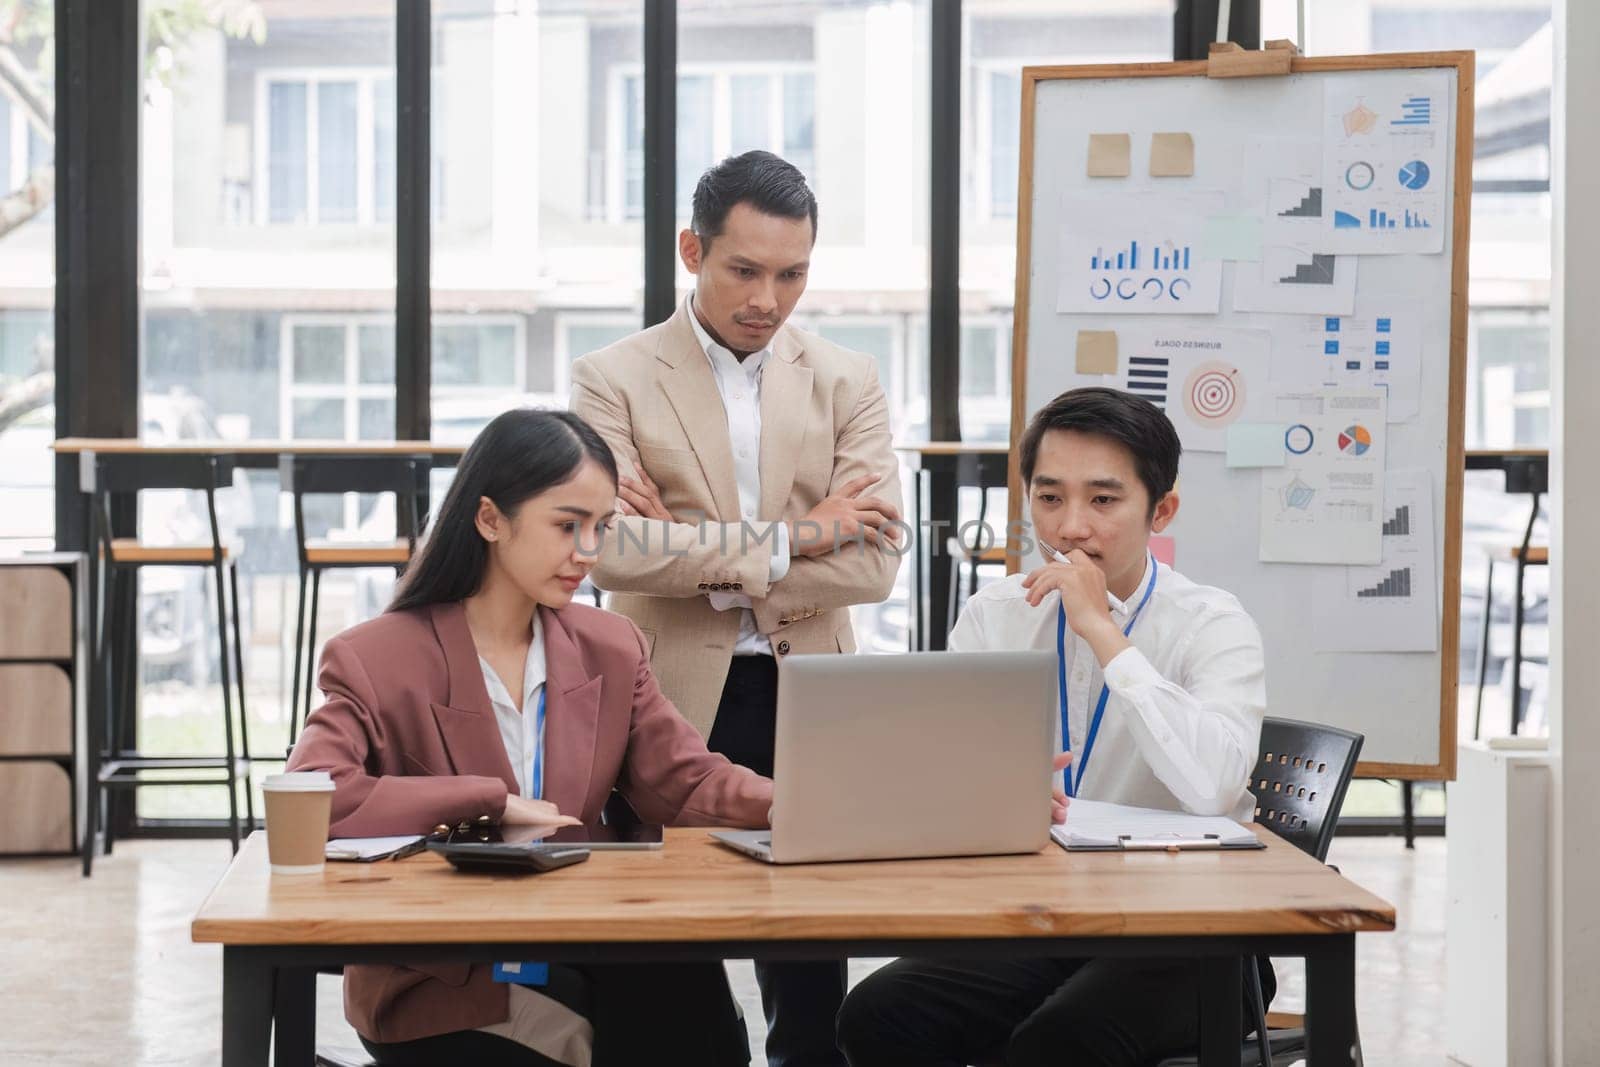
[(984, 547), (115, 563), (302, 476), (1522, 476)]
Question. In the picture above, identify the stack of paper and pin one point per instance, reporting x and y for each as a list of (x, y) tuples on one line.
[(1094, 825)]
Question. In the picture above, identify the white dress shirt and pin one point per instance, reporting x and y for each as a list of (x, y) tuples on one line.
[(1182, 727), (740, 387), (519, 724)]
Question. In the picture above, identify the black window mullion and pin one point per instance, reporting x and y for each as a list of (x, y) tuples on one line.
[(1194, 26), (98, 54), (413, 352), (944, 289), (944, 224), (660, 159)]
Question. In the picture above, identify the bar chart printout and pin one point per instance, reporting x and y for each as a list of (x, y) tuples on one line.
[(1385, 162), (1136, 254), (1394, 606)]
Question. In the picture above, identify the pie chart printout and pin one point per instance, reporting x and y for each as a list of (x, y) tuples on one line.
[(1355, 440), (1414, 175)]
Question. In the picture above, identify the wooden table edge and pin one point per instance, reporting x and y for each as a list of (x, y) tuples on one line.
[(1021, 922)]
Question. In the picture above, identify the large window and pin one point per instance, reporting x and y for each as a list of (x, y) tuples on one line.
[(840, 90), (268, 197), (1003, 37), (530, 270), (27, 269)]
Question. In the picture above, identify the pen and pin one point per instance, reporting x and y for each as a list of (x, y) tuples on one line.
[(1113, 602)]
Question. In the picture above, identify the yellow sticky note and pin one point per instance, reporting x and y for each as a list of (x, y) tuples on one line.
[(1097, 352), (1171, 155), (1110, 155)]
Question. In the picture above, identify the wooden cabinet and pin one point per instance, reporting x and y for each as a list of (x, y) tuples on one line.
[(35, 710), (42, 677)]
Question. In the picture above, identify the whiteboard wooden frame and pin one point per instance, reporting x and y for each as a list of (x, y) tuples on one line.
[(1444, 769)]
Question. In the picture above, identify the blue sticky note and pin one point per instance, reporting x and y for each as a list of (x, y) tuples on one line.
[(1331, 325), (1330, 348), (522, 973), (1256, 444), (1382, 348), (1231, 237), (1383, 326)]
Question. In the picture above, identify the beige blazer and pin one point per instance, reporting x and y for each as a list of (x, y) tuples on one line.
[(824, 421)]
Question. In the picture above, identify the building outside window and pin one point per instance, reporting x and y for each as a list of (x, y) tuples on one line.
[(722, 111)]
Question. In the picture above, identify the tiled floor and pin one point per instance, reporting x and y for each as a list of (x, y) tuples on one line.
[(102, 971)]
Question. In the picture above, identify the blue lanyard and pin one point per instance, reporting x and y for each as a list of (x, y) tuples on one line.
[(538, 748), (1082, 764)]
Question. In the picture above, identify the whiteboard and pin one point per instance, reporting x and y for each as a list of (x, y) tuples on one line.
[(1403, 703)]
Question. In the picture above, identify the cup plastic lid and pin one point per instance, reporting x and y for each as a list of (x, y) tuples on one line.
[(299, 782)]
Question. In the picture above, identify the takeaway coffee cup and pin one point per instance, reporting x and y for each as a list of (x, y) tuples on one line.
[(298, 805)]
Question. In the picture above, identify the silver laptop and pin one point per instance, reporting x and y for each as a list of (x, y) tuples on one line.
[(894, 757)]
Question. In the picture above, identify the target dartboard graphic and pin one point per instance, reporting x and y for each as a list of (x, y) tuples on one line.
[(1214, 394)]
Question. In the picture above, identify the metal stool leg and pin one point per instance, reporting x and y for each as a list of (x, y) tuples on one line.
[(1483, 650), (914, 617), (1516, 644), (955, 593), (227, 704), (244, 721), (311, 639), (299, 650), (124, 664), (98, 690), (1409, 812)]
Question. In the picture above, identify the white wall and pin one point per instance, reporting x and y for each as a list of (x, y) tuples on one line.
[(1575, 521)]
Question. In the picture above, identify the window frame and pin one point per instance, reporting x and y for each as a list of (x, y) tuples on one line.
[(563, 355), (899, 347), (365, 79), (352, 390), (618, 80), (979, 76), (1502, 315)]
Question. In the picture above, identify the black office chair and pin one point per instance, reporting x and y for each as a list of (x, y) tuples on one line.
[(406, 478), (114, 566), (1299, 784)]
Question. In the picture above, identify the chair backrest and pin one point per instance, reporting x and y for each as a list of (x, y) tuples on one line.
[(106, 473), (404, 476), (401, 475), (1300, 781), (130, 472)]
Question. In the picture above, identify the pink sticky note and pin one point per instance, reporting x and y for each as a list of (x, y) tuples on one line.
[(1165, 549)]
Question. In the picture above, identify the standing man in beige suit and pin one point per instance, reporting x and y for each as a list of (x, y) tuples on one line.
[(760, 498)]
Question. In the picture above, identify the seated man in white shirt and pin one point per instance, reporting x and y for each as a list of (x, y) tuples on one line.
[(1177, 669)]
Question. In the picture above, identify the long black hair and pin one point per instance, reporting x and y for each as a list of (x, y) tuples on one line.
[(520, 454)]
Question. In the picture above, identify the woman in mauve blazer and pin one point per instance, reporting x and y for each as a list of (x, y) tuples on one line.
[(413, 739)]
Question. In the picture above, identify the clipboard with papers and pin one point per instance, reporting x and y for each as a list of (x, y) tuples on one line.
[(373, 849), (1095, 826)]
